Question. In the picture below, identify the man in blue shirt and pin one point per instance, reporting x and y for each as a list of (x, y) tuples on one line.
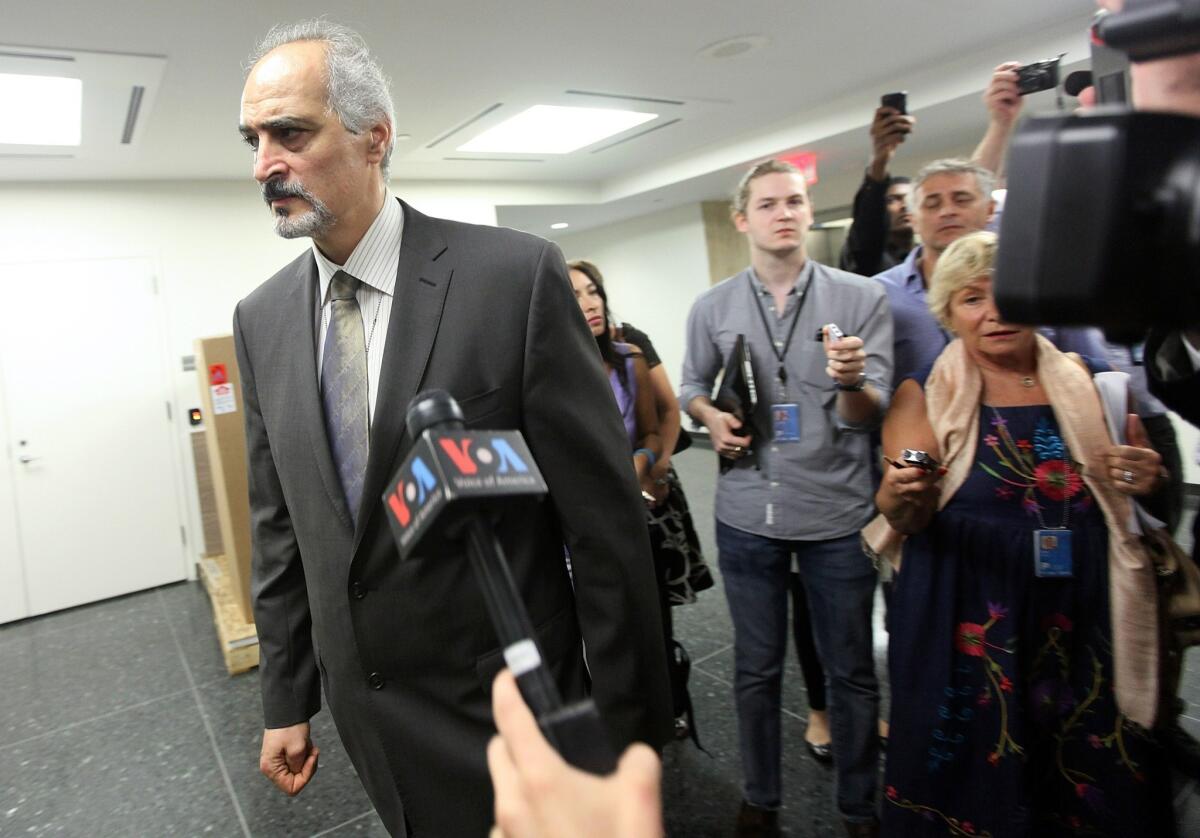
[(950, 198)]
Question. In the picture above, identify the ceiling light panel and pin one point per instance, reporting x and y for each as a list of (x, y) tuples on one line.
[(109, 100), (40, 110), (554, 129)]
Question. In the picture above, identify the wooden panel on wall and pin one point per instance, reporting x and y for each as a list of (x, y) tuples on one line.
[(728, 252)]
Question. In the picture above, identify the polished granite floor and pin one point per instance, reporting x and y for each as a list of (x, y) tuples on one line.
[(118, 719)]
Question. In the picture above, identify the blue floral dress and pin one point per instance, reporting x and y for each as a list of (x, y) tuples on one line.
[(1003, 717)]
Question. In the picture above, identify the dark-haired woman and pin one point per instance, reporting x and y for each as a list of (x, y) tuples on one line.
[(628, 374), (679, 563)]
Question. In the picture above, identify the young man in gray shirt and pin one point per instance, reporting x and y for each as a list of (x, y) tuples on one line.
[(802, 487)]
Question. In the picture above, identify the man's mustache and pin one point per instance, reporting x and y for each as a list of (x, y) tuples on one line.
[(273, 190)]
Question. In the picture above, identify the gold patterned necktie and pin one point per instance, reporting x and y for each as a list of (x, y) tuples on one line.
[(344, 387)]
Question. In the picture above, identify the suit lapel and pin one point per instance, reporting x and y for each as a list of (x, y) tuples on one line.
[(422, 280), (303, 305)]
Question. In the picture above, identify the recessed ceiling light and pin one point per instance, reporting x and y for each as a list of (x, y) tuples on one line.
[(561, 225), (554, 129), (733, 47), (40, 110)]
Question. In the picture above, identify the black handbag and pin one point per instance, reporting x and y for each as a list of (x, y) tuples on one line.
[(683, 442)]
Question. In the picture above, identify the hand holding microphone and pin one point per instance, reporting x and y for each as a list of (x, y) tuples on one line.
[(447, 493)]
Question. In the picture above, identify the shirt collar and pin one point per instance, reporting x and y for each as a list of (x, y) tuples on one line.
[(375, 258), (802, 280), (913, 281)]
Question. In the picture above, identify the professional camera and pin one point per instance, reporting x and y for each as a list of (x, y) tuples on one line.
[(1102, 219), (1039, 76)]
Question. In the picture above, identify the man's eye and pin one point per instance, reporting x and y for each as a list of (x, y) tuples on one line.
[(252, 142)]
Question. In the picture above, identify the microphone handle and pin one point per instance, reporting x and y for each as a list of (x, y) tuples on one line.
[(576, 730)]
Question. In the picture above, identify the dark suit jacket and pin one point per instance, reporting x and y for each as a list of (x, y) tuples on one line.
[(405, 651)]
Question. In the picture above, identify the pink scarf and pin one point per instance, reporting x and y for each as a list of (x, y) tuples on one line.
[(952, 397)]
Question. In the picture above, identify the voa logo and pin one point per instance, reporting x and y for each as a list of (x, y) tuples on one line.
[(412, 491), (495, 455)]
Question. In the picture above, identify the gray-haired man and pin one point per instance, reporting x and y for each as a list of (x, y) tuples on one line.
[(949, 198), (331, 349)]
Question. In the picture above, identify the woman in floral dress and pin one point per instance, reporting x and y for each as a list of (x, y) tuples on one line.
[(1016, 708)]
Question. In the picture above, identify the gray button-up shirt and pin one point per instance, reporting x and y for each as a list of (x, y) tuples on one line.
[(820, 487)]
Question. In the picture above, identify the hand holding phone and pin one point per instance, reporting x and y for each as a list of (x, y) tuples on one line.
[(912, 458), (898, 101)]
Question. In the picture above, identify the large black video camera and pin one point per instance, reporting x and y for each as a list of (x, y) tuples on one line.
[(1102, 219)]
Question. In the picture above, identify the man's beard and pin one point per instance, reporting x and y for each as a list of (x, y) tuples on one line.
[(316, 222)]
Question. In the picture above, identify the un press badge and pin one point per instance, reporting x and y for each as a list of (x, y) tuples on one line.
[(1052, 554), (786, 420)]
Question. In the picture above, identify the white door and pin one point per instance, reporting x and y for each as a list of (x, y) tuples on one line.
[(13, 604), (89, 438)]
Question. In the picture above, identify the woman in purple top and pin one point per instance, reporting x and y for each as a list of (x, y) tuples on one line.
[(627, 372)]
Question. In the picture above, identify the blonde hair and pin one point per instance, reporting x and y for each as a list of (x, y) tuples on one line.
[(741, 196), (968, 258)]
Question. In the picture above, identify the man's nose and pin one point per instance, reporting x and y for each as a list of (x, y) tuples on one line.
[(268, 163)]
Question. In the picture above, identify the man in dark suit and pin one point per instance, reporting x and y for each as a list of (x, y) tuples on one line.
[(331, 349)]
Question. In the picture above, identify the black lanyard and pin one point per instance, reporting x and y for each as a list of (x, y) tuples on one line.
[(780, 354)]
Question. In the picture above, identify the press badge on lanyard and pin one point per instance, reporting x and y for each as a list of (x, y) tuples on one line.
[(785, 415), (786, 418), (1052, 554)]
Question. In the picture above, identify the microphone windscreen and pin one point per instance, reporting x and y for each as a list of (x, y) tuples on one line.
[(432, 408), (1077, 81)]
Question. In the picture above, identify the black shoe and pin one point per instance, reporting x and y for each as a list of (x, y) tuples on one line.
[(822, 753), (756, 822), (682, 729)]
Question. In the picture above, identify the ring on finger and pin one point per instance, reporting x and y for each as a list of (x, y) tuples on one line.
[(1127, 476)]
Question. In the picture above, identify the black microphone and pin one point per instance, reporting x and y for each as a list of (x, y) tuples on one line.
[(449, 491)]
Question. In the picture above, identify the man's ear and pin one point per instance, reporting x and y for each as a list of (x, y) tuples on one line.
[(739, 221), (380, 136)]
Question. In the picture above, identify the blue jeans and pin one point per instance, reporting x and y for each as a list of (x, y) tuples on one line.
[(840, 583)]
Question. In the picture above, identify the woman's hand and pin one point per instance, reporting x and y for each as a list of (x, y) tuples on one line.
[(654, 485), (908, 495), (1134, 469)]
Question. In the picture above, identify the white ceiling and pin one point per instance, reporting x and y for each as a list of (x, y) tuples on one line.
[(812, 86)]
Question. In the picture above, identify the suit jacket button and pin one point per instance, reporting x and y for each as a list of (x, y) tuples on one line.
[(358, 590), (375, 681)]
